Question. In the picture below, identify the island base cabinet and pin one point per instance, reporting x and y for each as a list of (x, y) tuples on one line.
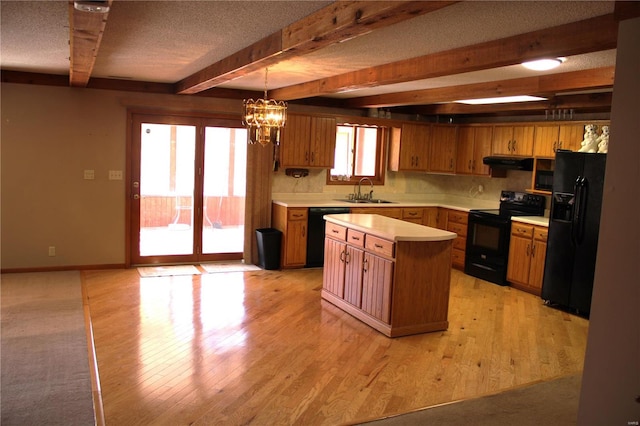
[(404, 291), (376, 287)]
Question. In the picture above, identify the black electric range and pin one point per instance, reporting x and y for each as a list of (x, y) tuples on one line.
[(488, 234)]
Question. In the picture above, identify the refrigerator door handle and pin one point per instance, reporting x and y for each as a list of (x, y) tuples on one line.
[(577, 226)]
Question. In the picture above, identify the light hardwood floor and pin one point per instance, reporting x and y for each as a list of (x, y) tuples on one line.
[(262, 348)]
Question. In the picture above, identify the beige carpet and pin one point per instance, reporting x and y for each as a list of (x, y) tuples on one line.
[(228, 267), (45, 376), (167, 271), (552, 403)]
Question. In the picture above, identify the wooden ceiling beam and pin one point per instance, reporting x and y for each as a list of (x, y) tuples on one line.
[(85, 29), (590, 35), (598, 78), (579, 102), (337, 22)]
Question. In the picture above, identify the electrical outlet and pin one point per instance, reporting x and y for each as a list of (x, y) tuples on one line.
[(480, 189), (89, 174), (52, 251), (115, 174)]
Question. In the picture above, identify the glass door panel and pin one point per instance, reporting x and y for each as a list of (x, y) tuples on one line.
[(225, 158), (167, 166)]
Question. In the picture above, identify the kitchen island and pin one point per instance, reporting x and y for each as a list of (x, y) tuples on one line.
[(390, 274)]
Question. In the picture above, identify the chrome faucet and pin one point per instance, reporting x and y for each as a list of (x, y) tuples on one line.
[(359, 195)]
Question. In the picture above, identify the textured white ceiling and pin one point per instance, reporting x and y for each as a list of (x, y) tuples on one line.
[(166, 41)]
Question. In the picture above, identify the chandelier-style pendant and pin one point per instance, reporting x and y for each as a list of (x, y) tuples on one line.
[(264, 118)]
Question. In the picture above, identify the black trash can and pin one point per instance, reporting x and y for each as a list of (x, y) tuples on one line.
[(269, 240)]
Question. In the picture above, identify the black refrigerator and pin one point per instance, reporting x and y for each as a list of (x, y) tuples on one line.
[(574, 224)]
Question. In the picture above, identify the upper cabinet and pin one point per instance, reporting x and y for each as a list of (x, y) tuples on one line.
[(551, 137), (442, 158), (308, 141), (474, 143), (409, 148), (513, 140)]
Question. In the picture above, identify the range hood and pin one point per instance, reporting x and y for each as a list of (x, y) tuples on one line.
[(509, 163)]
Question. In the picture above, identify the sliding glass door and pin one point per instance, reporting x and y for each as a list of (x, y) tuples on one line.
[(187, 187)]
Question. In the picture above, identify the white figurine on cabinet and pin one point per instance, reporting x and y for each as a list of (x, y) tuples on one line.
[(603, 140), (590, 142)]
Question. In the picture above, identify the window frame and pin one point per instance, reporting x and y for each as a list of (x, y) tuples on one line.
[(381, 156)]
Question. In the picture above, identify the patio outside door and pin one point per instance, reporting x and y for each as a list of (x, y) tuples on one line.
[(187, 189)]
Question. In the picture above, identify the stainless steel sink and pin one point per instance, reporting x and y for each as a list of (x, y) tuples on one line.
[(374, 201)]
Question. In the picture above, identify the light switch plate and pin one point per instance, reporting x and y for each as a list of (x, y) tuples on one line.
[(89, 174), (115, 174)]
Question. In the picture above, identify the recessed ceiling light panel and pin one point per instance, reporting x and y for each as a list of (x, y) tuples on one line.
[(92, 6), (544, 64), (501, 100)]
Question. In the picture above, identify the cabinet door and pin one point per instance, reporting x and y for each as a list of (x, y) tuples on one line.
[(570, 136), (334, 266), (353, 275), (522, 140), (442, 156), (545, 142), (538, 254), (294, 143), (464, 150), (502, 140), (376, 287), (296, 243), (537, 264), (322, 142), (414, 147), (519, 259), (430, 217), (481, 148)]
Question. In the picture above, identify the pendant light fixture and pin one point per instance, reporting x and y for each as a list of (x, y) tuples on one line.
[(264, 118)]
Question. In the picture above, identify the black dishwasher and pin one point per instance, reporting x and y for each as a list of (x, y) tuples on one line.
[(315, 234)]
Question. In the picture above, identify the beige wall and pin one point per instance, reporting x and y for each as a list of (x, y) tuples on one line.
[(611, 379), (50, 135)]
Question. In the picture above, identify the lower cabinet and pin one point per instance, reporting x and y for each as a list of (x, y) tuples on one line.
[(527, 251), (456, 221), (398, 288), (292, 222)]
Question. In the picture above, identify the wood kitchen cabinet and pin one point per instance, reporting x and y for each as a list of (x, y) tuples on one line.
[(457, 222), (513, 140), (430, 216), (397, 286), (409, 148), (442, 158), (474, 143), (292, 222), (308, 141), (527, 251), (393, 212), (548, 138)]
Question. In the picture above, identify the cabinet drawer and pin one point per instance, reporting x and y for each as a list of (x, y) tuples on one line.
[(412, 213), (540, 234), (460, 243), (458, 217), (297, 214), (379, 246), (355, 238), (336, 231), (522, 230), (458, 228)]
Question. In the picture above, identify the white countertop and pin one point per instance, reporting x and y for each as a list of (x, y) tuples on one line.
[(532, 220), (397, 200), (390, 229)]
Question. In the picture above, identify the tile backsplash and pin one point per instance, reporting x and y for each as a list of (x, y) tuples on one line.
[(410, 183)]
